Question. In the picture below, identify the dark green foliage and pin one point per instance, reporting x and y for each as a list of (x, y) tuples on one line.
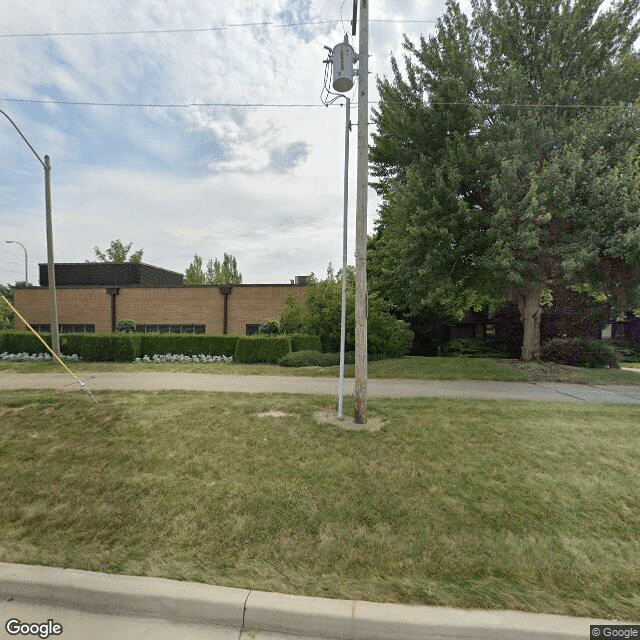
[(387, 336), (468, 348), (578, 352), (6, 315), (498, 177), (71, 343), (253, 349), (110, 347), (22, 342), (291, 319), (305, 342), (187, 344), (312, 358)]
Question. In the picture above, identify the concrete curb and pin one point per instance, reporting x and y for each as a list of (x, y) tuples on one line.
[(124, 595), (300, 615)]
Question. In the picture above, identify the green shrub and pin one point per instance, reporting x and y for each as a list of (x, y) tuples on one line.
[(71, 343), (126, 325), (577, 352), (270, 327), (259, 348), (387, 337), (312, 358), (304, 342), (188, 344), (599, 355), (470, 348), (23, 342), (110, 347)]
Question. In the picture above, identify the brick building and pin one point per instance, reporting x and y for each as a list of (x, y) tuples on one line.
[(95, 296)]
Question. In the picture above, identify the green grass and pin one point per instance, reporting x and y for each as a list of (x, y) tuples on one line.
[(411, 367), (466, 503)]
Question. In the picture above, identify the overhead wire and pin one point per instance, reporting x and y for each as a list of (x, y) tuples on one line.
[(271, 25)]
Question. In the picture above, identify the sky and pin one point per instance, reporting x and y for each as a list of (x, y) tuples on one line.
[(264, 183)]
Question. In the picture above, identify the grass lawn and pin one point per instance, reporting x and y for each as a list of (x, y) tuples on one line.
[(411, 367), (467, 503)]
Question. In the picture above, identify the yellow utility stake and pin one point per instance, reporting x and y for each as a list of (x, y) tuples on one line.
[(50, 350)]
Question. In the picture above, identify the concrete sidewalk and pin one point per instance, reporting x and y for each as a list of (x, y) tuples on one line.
[(152, 381), (101, 606)]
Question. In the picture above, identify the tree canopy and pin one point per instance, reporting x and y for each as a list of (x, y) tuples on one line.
[(117, 251), (225, 272), (506, 154)]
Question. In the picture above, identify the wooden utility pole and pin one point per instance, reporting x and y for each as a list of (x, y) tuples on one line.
[(360, 392)]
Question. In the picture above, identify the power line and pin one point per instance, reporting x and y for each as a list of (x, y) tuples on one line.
[(195, 29), (189, 105), (249, 105)]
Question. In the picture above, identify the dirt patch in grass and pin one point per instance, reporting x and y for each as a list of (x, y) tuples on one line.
[(347, 422), (552, 372), (272, 413)]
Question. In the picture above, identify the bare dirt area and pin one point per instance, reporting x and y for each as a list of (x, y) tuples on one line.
[(329, 416)]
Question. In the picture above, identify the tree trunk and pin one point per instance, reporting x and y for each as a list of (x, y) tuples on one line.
[(531, 315)]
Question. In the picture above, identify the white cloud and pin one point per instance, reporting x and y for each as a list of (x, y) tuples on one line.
[(264, 184)]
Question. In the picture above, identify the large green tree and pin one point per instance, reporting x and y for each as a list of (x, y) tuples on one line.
[(506, 155), (117, 251)]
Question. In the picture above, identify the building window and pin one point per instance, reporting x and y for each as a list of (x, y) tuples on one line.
[(66, 328), (77, 328), (252, 329), (170, 328)]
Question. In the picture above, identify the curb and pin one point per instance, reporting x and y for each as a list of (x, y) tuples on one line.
[(301, 615)]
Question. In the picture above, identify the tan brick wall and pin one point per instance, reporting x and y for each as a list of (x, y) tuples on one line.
[(247, 304), (89, 305)]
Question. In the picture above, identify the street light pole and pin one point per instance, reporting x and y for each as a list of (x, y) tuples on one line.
[(46, 163), (26, 269)]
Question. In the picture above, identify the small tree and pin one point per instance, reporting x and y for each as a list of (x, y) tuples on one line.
[(387, 336), (194, 273), (225, 272), (6, 315), (118, 252), (291, 319)]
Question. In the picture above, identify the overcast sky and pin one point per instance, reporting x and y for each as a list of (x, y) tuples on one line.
[(262, 183)]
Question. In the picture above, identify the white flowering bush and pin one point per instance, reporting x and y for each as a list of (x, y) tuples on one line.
[(34, 357), (173, 357)]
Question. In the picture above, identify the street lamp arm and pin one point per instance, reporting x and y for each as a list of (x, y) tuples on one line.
[(22, 136)]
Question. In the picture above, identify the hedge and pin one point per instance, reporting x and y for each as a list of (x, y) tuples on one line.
[(22, 342), (262, 348), (305, 342), (110, 347), (312, 358), (188, 344)]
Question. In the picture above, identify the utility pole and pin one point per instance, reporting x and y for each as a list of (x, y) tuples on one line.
[(360, 392), (55, 336)]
